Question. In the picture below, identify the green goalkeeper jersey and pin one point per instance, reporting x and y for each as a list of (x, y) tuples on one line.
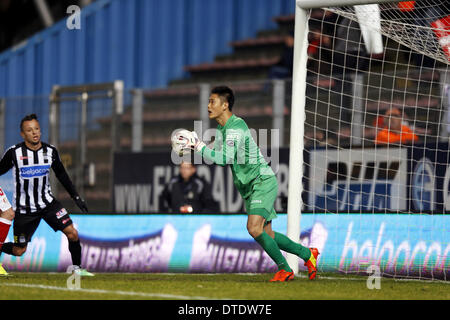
[(235, 146)]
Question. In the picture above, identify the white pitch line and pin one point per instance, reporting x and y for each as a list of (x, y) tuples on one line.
[(119, 292)]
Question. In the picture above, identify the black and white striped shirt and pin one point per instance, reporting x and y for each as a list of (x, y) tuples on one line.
[(32, 176)]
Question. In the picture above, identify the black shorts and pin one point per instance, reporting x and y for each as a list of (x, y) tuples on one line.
[(26, 224)]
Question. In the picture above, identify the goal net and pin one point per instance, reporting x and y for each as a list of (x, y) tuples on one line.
[(376, 136)]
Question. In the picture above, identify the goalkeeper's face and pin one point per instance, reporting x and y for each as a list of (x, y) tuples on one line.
[(31, 132), (216, 107)]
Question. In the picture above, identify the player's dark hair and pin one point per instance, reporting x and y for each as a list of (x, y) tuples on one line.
[(225, 93), (28, 117)]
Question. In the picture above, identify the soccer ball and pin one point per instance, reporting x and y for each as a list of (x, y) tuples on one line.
[(179, 142)]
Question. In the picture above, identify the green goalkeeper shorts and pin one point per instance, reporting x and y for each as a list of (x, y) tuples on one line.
[(262, 199)]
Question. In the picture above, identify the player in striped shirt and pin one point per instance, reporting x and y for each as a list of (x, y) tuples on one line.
[(31, 162)]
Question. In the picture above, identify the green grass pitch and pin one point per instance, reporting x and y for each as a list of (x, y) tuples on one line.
[(151, 286)]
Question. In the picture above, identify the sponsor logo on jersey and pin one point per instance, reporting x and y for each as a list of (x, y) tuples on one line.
[(34, 171), (230, 143), (231, 137), (20, 239), (61, 213)]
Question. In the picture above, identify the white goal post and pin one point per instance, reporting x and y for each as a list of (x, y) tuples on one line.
[(298, 112)]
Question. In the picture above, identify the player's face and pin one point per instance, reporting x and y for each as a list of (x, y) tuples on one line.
[(31, 132), (216, 107)]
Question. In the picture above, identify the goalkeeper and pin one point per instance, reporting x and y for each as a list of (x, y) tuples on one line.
[(252, 176)]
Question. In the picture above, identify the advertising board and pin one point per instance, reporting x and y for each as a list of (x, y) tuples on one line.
[(411, 245), (364, 180)]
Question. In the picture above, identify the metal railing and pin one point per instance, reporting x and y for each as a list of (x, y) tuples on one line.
[(89, 123), (84, 124)]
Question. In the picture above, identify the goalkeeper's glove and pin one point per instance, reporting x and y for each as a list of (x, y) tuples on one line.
[(81, 204), (192, 141)]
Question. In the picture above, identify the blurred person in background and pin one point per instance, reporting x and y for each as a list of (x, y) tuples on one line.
[(283, 69), (188, 193), (6, 218), (349, 57), (322, 25), (395, 130)]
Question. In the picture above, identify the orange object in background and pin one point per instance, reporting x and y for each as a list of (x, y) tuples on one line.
[(394, 130), (406, 6), (386, 136)]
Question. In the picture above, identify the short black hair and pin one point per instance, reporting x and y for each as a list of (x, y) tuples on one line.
[(28, 117), (226, 93)]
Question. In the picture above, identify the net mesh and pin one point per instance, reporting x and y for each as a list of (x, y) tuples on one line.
[(414, 24), (376, 133)]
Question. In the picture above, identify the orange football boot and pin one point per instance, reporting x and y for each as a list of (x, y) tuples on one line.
[(312, 263), (282, 276)]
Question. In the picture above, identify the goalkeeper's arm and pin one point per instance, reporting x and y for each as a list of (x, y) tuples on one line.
[(220, 157)]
